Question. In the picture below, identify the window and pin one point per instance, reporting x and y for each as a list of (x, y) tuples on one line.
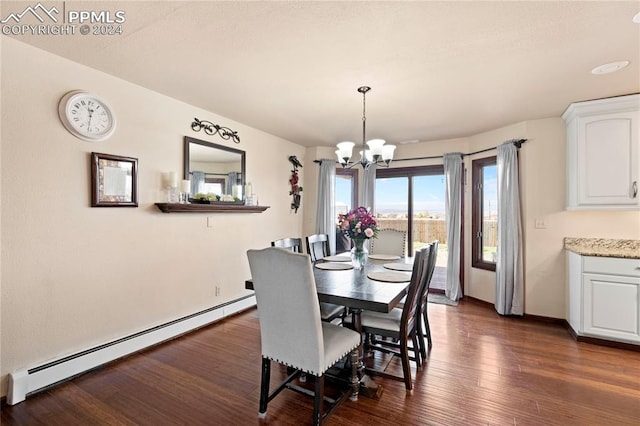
[(415, 193), (213, 185), (412, 199), (346, 190), (484, 213), (346, 197)]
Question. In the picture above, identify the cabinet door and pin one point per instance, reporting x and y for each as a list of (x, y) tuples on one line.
[(611, 307), (608, 159)]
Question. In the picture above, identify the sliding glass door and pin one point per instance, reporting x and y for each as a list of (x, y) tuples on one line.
[(413, 200)]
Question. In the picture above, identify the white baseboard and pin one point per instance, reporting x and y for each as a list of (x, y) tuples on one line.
[(28, 381)]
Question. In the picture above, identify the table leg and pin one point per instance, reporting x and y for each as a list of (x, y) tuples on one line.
[(368, 387)]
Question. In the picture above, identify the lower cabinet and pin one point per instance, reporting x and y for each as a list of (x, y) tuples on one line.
[(604, 297)]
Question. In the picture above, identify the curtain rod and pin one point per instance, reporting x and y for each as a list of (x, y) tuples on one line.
[(518, 143)]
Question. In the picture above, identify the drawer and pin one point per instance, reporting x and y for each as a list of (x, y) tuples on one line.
[(611, 265)]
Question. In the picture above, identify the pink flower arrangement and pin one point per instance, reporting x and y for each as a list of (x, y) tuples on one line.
[(358, 224)]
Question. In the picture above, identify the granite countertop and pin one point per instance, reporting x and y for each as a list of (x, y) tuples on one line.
[(603, 247)]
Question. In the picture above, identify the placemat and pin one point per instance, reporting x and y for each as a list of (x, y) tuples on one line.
[(338, 258), (331, 266), (390, 277), (383, 257), (407, 267)]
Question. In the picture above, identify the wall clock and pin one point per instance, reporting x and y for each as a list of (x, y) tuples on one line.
[(86, 116)]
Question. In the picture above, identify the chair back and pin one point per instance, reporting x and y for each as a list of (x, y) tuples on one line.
[(389, 241), (411, 304), (317, 246), (293, 244), (290, 327), (431, 266)]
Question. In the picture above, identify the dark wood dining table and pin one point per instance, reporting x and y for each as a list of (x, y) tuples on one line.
[(355, 290)]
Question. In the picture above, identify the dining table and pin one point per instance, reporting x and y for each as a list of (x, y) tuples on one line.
[(354, 289)]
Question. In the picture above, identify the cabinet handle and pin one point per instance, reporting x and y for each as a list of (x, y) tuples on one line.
[(634, 187)]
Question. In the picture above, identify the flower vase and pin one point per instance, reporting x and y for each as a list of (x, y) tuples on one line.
[(359, 254)]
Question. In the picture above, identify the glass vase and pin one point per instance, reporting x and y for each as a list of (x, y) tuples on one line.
[(359, 254)]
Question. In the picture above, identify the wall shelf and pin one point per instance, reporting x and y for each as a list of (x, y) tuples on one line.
[(209, 208)]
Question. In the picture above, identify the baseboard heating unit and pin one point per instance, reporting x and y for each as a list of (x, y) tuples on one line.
[(28, 381)]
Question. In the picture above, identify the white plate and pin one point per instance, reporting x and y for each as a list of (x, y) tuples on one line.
[(390, 277), (406, 267), (331, 266), (383, 257), (338, 258)]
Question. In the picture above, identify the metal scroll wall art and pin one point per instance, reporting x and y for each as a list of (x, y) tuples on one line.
[(212, 129), (295, 188)]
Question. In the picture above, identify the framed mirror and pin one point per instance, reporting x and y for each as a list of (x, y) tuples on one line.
[(214, 169)]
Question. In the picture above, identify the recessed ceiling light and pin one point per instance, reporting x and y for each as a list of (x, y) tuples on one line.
[(610, 67), (636, 18)]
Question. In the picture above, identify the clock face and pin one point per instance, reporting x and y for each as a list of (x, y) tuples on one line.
[(86, 116)]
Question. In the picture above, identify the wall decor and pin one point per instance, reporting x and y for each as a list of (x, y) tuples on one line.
[(212, 129), (86, 116), (114, 181), (295, 188)]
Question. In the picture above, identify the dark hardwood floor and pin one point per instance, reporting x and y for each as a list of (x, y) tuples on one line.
[(483, 370)]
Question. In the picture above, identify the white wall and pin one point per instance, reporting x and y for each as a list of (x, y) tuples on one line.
[(73, 276)]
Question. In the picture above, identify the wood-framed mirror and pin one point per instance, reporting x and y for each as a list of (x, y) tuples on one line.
[(214, 168)]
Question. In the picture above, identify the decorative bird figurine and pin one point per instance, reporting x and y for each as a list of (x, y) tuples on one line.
[(294, 160)]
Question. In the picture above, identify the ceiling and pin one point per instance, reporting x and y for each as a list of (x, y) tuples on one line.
[(438, 70)]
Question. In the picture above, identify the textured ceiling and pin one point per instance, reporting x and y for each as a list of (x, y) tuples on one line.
[(438, 70)]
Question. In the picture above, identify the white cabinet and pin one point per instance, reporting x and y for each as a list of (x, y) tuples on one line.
[(603, 154), (604, 297)]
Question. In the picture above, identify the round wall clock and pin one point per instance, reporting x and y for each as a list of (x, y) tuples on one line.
[(86, 116)]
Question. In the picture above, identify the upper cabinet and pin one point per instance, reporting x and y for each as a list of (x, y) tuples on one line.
[(603, 154)]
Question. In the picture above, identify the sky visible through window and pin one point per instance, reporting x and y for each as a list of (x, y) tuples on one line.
[(429, 193), (490, 192), (343, 194)]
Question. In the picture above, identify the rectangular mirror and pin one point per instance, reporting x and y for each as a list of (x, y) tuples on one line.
[(214, 169)]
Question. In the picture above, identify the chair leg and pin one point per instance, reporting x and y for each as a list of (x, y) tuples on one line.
[(427, 330), (264, 387), (406, 369), (421, 336), (318, 400), (416, 350)]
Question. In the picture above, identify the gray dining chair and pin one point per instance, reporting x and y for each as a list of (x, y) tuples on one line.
[(389, 241), (317, 246), (293, 244), (400, 325), (317, 249), (284, 282), (424, 302)]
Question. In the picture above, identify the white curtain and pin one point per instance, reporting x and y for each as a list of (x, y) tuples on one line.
[(326, 217), (509, 272), (367, 196), (197, 180), (452, 205), (232, 181)]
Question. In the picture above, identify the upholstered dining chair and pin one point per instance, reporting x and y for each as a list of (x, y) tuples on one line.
[(399, 324), (293, 244), (317, 246), (389, 241), (328, 311), (284, 282)]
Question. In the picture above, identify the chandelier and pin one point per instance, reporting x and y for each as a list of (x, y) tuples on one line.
[(373, 151)]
